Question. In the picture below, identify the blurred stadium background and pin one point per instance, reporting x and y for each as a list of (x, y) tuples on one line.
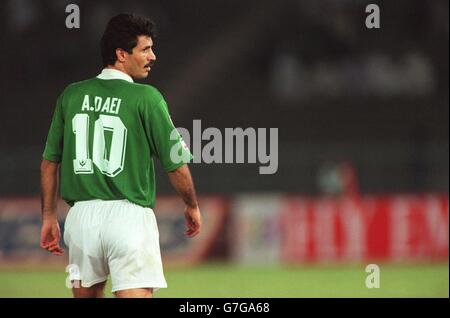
[(362, 115)]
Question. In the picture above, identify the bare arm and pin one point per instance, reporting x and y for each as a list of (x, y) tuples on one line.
[(49, 187), (50, 232), (182, 181)]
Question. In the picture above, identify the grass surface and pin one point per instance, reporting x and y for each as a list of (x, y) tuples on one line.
[(221, 280)]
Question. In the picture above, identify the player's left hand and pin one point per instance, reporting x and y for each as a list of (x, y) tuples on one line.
[(193, 221), (50, 236)]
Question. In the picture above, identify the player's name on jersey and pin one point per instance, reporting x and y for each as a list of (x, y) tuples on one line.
[(110, 105)]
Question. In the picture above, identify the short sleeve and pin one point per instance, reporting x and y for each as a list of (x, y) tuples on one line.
[(166, 142), (54, 145)]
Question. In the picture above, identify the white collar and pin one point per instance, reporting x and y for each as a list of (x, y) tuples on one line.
[(110, 73)]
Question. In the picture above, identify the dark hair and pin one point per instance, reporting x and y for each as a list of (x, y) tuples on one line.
[(122, 32)]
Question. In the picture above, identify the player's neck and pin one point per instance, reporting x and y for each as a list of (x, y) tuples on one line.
[(117, 68)]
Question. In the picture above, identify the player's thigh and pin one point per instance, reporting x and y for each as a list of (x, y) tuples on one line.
[(82, 236), (132, 245), (95, 291), (134, 293)]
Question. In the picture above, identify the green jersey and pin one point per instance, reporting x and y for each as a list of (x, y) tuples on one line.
[(105, 132)]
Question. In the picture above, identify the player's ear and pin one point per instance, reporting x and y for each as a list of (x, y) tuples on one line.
[(120, 55)]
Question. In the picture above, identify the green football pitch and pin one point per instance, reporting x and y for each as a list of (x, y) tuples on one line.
[(232, 281)]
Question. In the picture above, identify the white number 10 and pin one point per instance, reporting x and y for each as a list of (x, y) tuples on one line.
[(110, 165)]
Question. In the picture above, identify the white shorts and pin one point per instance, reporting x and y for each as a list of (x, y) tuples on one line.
[(114, 237)]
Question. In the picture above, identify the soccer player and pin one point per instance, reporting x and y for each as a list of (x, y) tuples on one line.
[(103, 136)]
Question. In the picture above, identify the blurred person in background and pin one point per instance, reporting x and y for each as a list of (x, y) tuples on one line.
[(338, 179)]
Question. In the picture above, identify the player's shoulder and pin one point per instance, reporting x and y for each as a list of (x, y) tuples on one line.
[(149, 95), (76, 86), (149, 91)]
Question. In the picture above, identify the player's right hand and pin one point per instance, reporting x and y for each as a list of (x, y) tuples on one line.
[(50, 236), (193, 221)]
